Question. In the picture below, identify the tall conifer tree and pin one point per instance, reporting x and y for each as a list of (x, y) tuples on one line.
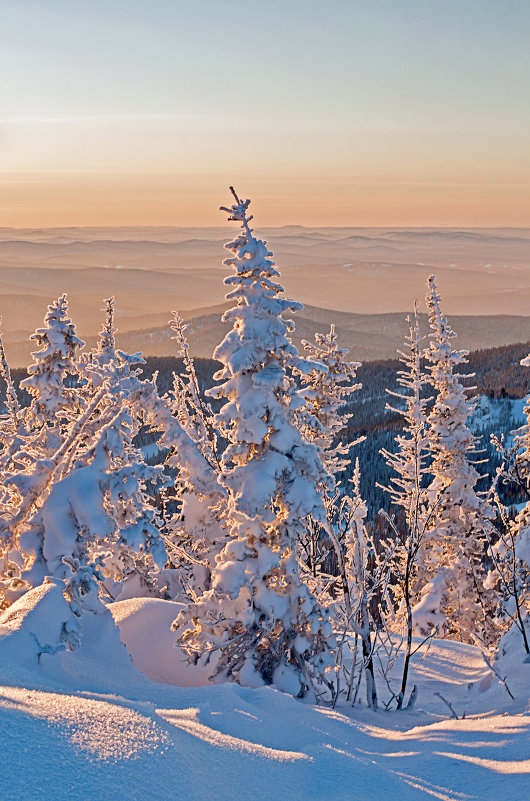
[(453, 550), (263, 624)]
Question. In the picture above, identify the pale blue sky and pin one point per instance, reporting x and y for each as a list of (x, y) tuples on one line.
[(422, 107)]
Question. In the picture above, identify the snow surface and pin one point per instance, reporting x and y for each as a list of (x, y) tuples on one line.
[(89, 724)]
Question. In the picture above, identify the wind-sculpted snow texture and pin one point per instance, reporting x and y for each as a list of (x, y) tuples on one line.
[(88, 719)]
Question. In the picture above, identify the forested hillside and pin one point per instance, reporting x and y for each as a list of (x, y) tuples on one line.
[(498, 377)]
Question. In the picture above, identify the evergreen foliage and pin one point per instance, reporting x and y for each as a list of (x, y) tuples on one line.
[(240, 499), (262, 622), (453, 550)]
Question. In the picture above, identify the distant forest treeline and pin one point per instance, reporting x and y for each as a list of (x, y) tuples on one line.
[(498, 376)]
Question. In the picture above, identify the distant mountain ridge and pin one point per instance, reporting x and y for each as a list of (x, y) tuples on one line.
[(369, 337), (362, 279)]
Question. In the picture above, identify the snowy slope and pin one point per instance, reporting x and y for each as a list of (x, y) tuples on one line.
[(89, 725)]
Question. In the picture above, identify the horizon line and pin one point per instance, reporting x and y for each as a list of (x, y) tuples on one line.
[(411, 226)]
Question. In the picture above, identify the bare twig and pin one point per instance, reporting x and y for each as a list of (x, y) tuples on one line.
[(497, 674), (446, 702)]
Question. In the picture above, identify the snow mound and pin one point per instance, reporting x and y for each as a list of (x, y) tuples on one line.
[(31, 640), (145, 630), (512, 665), (34, 624)]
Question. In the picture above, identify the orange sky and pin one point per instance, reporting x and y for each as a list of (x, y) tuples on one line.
[(351, 113), (45, 200)]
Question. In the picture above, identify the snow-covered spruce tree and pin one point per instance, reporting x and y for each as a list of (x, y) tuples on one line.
[(43, 425), (34, 474), (196, 531), (35, 432), (31, 473), (129, 565), (181, 425), (60, 503), (55, 358), (12, 431), (12, 439), (108, 381), (258, 619), (321, 419), (360, 581), (510, 571), (106, 360), (108, 387), (9, 422), (409, 460), (96, 510), (510, 554), (325, 393), (516, 459), (453, 593), (407, 488), (99, 510), (195, 415), (106, 348)]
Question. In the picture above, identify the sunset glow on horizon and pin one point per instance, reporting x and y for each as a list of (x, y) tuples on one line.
[(402, 114)]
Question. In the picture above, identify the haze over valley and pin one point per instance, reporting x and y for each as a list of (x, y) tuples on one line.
[(364, 280)]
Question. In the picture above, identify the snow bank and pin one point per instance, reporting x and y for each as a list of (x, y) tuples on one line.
[(33, 625), (31, 641), (88, 724), (513, 665)]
